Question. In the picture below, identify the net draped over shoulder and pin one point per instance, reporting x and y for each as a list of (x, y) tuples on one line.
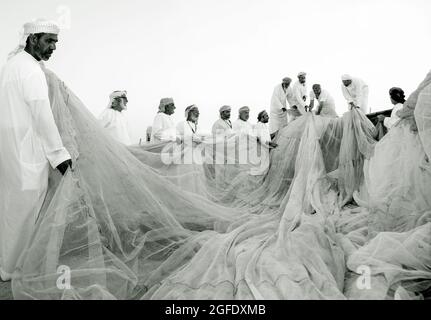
[(124, 227)]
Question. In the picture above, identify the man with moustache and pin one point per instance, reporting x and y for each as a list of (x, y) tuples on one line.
[(29, 141)]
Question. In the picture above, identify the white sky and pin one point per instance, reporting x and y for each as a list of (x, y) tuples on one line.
[(216, 52)]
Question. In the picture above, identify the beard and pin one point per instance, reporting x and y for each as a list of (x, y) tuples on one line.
[(44, 54)]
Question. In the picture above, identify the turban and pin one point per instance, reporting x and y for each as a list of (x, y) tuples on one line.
[(164, 102), (117, 94), (34, 27), (345, 77), (224, 108), (190, 108), (287, 80), (302, 74), (260, 115), (243, 109)]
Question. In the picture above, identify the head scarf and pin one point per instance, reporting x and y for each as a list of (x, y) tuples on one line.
[(116, 94), (301, 74), (224, 108), (346, 77), (164, 102), (34, 27), (243, 109), (260, 115), (287, 80), (189, 109)]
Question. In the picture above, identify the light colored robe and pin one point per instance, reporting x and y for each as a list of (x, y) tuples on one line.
[(115, 123), (328, 108), (261, 131), (277, 117), (29, 143), (164, 128), (357, 92), (187, 129), (242, 127), (222, 128), (299, 91), (393, 119)]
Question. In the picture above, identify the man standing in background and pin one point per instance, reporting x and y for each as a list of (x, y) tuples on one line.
[(113, 118), (278, 109), (299, 99), (326, 106), (355, 91), (164, 128), (242, 126), (223, 126)]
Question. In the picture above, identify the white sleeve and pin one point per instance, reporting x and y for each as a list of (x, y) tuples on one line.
[(214, 129), (298, 98), (158, 127), (277, 99), (361, 89), (35, 91), (346, 94)]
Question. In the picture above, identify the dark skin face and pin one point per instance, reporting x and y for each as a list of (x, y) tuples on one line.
[(285, 85), (193, 115), (264, 118), (317, 91), (347, 82), (119, 104), (225, 115), (42, 45), (170, 109), (301, 79)]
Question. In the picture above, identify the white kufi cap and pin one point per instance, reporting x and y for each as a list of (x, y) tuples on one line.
[(33, 27)]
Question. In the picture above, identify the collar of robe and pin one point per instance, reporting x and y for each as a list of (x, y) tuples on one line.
[(191, 127)]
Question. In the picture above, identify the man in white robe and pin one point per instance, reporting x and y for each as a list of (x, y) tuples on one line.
[(222, 131), (326, 106), (278, 109), (113, 118), (29, 141), (241, 125), (164, 128), (261, 132), (298, 102), (189, 128), (223, 126), (355, 91)]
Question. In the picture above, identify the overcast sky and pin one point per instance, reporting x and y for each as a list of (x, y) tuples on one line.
[(215, 52)]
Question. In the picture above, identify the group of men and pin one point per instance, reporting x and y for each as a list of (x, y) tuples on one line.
[(288, 102), (30, 141), (165, 129), (291, 101)]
